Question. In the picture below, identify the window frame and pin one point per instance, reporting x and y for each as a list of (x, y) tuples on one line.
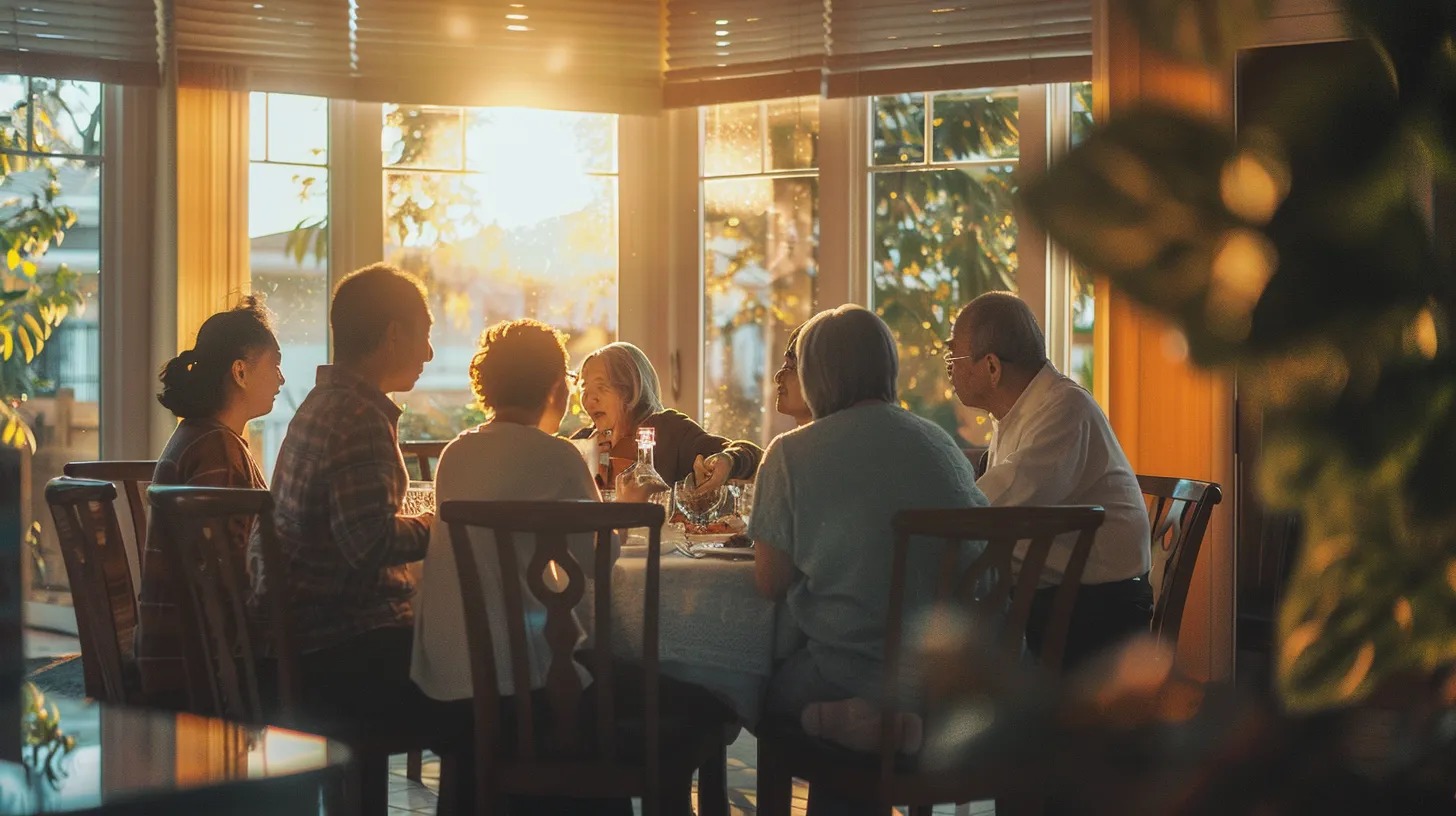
[(660, 230), (846, 223)]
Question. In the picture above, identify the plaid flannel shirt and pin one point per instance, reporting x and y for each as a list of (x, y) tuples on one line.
[(338, 487)]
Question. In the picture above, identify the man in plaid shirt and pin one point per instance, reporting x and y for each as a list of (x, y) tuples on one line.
[(338, 488)]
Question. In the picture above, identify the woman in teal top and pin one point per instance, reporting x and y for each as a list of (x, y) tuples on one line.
[(825, 496)]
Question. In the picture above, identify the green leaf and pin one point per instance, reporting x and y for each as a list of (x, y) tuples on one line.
[(7, 341), (12, 259), (1140, 201), (25, 344)]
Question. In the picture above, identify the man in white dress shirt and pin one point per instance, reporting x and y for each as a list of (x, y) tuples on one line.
[(1051, 444)]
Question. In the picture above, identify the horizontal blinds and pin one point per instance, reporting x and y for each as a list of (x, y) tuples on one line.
[(898, 46), (587, 55), (737, 50), (111, 41), (290, 46)]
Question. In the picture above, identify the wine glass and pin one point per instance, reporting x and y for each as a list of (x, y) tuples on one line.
[(700, 506)]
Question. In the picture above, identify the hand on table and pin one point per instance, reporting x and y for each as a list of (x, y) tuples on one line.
[(713, 472)]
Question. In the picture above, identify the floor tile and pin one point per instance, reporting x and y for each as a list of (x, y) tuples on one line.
[(412, 798)]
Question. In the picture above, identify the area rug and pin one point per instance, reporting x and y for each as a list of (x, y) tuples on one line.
[(60, 675)]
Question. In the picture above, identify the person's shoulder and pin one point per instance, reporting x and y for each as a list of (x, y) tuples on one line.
[(669, 419), (1066, 398)]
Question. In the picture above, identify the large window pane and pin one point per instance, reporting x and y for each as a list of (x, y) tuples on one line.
[(943, 231), (54, 378), (528, 230), (971, 125), (288, 212), (899, 129), (760, 267), (1084, 300), (733, 139), (760, 255)]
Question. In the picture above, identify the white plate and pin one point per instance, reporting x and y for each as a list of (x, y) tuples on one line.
[(708, 538)]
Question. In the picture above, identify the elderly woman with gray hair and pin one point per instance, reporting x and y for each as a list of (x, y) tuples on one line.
[(825, 496), (620, 392)]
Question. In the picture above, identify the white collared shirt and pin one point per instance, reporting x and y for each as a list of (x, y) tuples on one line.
[(1055, 446)]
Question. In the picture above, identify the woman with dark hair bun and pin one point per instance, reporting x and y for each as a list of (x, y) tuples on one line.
[(230, 377)]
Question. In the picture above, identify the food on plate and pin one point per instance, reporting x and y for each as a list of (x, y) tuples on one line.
[(738, 541), (726, 525)]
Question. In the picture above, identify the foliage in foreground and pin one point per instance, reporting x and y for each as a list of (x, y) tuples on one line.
[(1298, 252)]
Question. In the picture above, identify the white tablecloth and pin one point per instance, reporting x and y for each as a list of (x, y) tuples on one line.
[(714, 629)]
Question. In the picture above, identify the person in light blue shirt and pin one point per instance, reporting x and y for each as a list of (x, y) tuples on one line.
[(824, 500)]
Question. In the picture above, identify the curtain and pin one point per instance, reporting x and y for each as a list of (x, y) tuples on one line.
[(212, 196)]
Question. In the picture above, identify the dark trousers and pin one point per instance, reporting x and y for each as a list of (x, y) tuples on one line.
[(364, 683), (1104, 616)]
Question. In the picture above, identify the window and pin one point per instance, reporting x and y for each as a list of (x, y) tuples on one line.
[(504, 213), (760, 194), (942, 230), (1084, 306), (51, 153), (288, 211)]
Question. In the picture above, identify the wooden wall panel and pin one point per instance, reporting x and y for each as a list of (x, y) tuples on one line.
[(1172, 419)]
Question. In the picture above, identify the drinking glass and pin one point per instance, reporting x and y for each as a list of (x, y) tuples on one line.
[(700, 506)]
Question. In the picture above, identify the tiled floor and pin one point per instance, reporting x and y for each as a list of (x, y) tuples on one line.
[(408, 797)]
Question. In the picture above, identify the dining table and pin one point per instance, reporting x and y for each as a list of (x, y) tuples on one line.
[(126, 761), (714, 629)]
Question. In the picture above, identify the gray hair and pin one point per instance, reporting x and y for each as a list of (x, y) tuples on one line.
[(1001, 323), (846, 355), (630, 374)]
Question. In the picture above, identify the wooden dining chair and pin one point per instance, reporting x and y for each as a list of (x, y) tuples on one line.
[(993, 592), (424, 452), (1178, 513), (536, 743), (102, 592), (223, 674), (132, 476)]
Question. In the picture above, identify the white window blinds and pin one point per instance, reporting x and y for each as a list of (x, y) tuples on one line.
[(896, 46), (588, 55), (290, 46), (738, 50), (99, 40)]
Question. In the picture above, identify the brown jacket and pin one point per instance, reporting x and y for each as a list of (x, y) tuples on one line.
[(201, 453)]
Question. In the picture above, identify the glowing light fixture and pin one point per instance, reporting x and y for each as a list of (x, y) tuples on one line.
[(517, 28)]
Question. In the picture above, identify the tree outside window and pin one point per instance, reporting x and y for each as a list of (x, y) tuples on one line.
[(943, 230), (503, 213), (760, 190)]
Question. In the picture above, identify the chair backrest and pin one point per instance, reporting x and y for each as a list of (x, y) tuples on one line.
[(551, 523), (1178, 513), (423, 451), (992, 589), (219, 641), (101, 586), (133, 476)]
